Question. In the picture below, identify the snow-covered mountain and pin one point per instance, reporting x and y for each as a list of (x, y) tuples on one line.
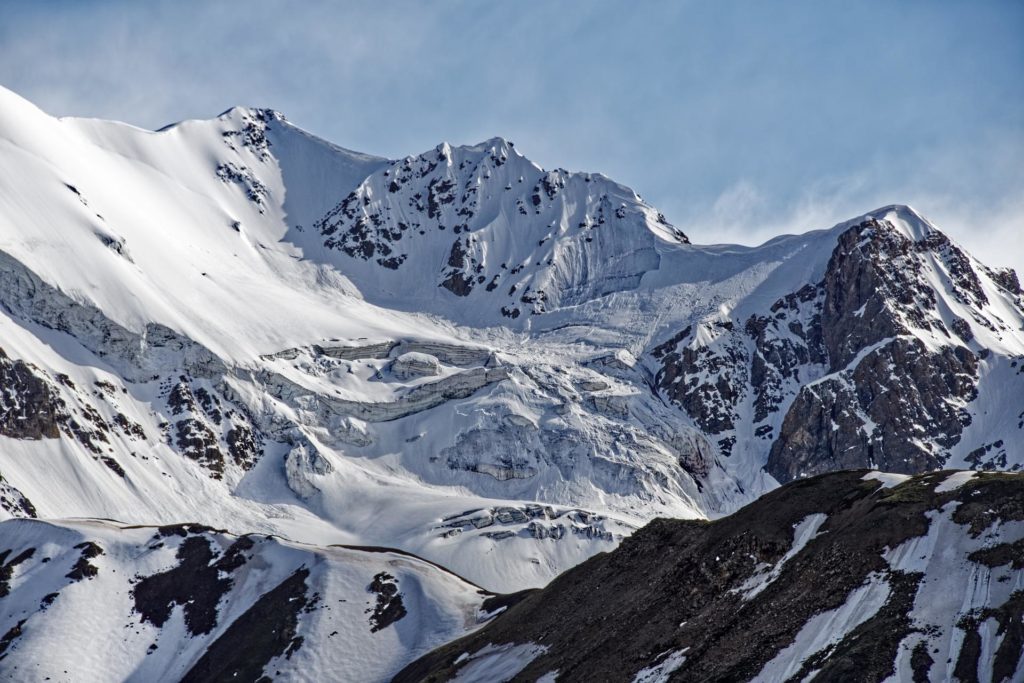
[(500, 369), (101, 601)]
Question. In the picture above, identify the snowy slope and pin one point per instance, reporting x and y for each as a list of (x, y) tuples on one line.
[(94, 600), (502, 369)]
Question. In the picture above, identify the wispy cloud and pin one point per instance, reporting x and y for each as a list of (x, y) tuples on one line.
[(738, 120)]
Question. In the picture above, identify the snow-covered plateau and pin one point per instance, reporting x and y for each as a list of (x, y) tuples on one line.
[(433, 380)]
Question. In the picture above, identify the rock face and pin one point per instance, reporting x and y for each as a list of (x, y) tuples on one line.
[(725, 373), (851, 576), (210, 429), (29, 407), (894, 401), (900, 410), (877, 365)]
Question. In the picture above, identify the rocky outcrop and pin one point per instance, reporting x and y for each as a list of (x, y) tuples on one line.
[(722, 373), (30, 407), (871, 367), (704, 380), (14, 502), (873, 291), (389, 607), (248, 607), (1007, 279), (892, 401), (788, 348), (836, 575), (876, 287), (208, 427), (899, 410)]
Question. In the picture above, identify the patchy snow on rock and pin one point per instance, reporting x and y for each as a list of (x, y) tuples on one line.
[(497, 663), (803, 532), (661, 672), (888, 479), (955, 481), (825, 629)]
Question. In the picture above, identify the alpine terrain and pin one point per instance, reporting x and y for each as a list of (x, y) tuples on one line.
[(271, 409)]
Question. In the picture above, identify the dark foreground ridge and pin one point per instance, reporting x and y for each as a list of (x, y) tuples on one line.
[(719, 601)]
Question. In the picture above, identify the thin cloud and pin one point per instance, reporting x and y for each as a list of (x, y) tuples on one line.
[(738, 120)]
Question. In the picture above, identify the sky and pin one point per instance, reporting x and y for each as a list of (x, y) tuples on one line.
[(740, 120)]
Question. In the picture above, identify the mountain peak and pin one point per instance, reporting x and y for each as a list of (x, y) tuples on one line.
[(501, 228), (911, 223), (240, 113)]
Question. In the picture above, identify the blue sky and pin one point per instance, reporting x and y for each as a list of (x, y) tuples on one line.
[(738, 119)]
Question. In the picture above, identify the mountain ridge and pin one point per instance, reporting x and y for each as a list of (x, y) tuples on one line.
[(844, 576), (198, 320)]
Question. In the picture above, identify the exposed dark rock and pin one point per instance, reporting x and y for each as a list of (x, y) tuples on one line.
[(7, 567), (1002, 502), (902, 407), (989, 456), (874, 289), (264, 631), (30, 408), (48, 600), (14, 501), (898, 410), (389, 607), (255, 190), (210, 423), (195, 583), (712, 404), (253, 132), (868, 653), (83, 569), (242, 446), (129, 427), (921, 662), (113, 465), (1007, 279), (180, 399), (1010, 619), (183, 530), (210, 404), (458, 282), (1011, 554), (197, 441), (8, 638)]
